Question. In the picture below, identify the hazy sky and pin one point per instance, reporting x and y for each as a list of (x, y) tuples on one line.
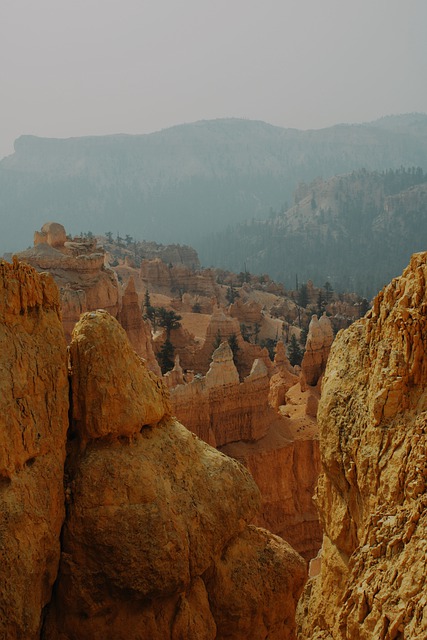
[(89, 67)]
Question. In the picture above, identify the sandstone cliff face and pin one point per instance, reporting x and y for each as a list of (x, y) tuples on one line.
[(137, 329), (220, 409), (79, 271), (319, 340), (285, 469), (372, 493), (281, 452), (282, 379), (177, 279), (33, 426), (156, 524)]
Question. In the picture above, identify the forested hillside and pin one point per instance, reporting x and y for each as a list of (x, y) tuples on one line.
[(181, 183), (356, 231)]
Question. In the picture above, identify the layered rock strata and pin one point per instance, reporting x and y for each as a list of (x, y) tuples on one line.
[(33, 426), (318, 345), (177, 279), (156, 541), (78, 269), (372, 494), (157, 521), (137, 329), (223, 327), (218, 408), (281, 451)]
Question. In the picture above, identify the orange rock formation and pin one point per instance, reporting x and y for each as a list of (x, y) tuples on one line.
[(152, 519), (156, 541), (177, 279), (137, 329), (79, 271), (281, 451), (372, 492), (33, 426), (318, 345)]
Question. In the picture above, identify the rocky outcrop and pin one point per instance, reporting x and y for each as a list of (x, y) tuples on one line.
[(137, 329), (33, 426), (223, 327), (177, 279), (157, 521), (170, 253), (124, 395), (52, 234), (247, 312), (283, 378), (78, 269), (372, 492), (175, 376), (281, 451), (220, 409), (156, 526), (318, 345)]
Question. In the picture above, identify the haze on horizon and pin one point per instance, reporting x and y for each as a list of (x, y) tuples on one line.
[(97, 67)]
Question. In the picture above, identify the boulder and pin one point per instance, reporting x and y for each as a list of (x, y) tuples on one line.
[(124, 395)]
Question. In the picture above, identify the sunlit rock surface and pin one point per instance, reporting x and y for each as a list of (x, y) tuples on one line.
[(372, 492)]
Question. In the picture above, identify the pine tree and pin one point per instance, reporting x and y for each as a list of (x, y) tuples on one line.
[(218, 340), (303, 296), (150, 311), (231, 294), (165, 356), (168, 319), (295, 352), (234, 346)]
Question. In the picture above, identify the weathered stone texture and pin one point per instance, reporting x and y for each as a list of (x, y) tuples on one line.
[(151, 515), (372, 493), (33, 426)]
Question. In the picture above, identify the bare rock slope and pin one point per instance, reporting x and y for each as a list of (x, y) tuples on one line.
[(157, 523), (372, 494), (33, 426), (155, 538)]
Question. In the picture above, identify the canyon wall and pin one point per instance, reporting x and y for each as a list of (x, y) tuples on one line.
[(144, 531), (33, 426), (372, 491)]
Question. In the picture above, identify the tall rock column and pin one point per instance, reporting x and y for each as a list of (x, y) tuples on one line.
[(319, 340), (372, 494), (33, 427), (138, 330)]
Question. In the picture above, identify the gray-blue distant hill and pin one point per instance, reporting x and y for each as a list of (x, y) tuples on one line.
[(181, 184)]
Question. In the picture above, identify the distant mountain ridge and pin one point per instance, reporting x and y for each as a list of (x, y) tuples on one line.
[(355, 231), (177, 184)]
